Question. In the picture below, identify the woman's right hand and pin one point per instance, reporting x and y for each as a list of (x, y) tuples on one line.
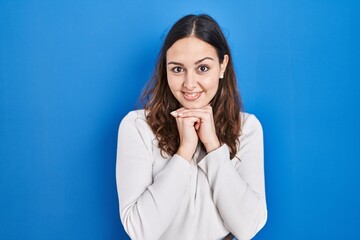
[(187, 133)]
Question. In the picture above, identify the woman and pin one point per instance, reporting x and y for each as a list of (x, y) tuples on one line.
[(190, 165)]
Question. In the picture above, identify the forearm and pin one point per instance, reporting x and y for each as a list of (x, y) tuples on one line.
[(241, 203), (148, 215), (148, 201)]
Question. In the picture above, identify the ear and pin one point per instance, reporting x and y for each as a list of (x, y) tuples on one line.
[(224, 64)]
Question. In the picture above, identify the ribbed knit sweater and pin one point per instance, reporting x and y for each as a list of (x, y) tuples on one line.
[(169, 198)]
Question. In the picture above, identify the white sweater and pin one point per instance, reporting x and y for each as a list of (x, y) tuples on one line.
[(170, 198)]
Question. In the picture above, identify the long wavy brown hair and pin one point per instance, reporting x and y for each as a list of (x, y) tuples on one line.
[(226, 104)]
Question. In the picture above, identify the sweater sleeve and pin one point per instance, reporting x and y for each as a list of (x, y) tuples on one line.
[(238, 185), (147, 205)]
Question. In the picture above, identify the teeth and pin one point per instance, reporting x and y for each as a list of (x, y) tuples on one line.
[(191, 94)]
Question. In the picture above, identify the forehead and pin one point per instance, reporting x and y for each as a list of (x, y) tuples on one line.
[(190, 49)]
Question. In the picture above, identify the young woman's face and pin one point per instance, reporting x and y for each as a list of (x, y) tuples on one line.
[(193, 72)]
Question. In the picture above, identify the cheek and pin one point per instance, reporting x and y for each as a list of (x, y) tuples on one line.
[(173, 84), (211, 83)]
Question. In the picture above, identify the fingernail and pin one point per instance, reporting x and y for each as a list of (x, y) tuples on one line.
[(174, 113)]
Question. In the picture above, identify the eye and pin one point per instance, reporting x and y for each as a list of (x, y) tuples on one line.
[(177, 69), (203, 68)]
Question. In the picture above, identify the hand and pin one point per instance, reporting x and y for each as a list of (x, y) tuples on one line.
[(187, 133), (204, 126)]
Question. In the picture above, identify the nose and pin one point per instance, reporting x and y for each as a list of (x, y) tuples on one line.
[(190, 82)]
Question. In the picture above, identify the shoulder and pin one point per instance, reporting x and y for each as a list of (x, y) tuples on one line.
[(135, 119), (251, 136), (250, 125), (134, 130), (135, 125), (250, 121), (135, 115)]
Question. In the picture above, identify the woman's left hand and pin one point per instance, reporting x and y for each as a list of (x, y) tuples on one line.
[(205, 127)]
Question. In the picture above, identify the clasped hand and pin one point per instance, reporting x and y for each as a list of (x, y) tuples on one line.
[(194, 125)]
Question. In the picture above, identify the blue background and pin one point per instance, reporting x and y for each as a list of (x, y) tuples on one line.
[(70, 70)]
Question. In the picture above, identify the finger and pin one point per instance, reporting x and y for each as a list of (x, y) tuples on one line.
[(177, 112), (203, 115), (206, 109), (188, 120), (174, 114), (209, 107), (197, 124)]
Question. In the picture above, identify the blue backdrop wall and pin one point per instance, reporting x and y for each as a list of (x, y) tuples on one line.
[(70, 70)]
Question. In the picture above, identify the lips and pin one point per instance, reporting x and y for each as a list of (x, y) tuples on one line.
[(191, 95)]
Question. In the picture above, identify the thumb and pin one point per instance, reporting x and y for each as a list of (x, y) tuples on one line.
[(197, 124)]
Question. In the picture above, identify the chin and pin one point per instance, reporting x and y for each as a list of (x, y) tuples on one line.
[(194, 105)]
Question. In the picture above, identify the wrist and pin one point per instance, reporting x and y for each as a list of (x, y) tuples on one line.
[(184, 154), (212, 146)]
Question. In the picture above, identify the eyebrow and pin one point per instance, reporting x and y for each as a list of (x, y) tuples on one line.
[(197, 62)]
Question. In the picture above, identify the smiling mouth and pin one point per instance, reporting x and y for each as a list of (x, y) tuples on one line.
[(191, 96)]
